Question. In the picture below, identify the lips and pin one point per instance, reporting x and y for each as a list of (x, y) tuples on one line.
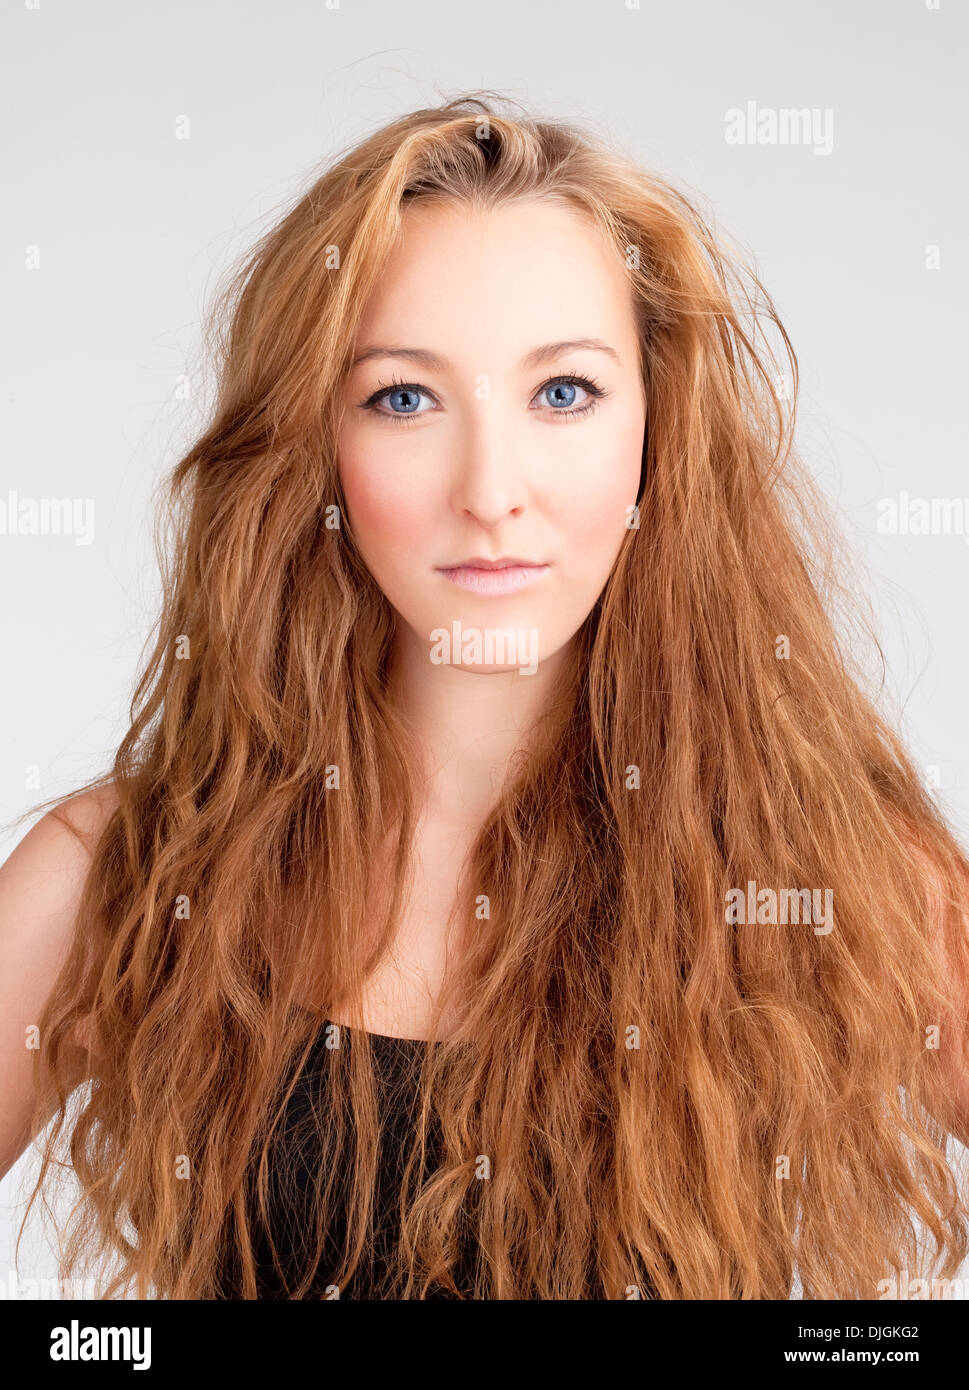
[(491, 577), (478, 562)]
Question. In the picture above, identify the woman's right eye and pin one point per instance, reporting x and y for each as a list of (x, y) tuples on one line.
[(402, 398)]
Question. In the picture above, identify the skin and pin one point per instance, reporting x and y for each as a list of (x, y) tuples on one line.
[(510, 473), (503, 470)]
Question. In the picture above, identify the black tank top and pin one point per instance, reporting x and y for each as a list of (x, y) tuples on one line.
[(395, 1061)]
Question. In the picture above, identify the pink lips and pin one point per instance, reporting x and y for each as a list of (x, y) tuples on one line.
[(493, 576)]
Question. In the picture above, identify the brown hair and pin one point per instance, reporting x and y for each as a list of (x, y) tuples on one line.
[(663, 1097)]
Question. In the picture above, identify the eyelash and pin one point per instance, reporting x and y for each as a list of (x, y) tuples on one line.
[(589, 384)]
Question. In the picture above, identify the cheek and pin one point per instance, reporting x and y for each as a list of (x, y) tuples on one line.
[(386, 512), (593, 511)]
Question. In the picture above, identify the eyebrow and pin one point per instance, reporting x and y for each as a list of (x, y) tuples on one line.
[(535, 358)]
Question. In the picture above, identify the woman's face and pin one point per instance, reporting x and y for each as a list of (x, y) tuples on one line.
[(495, 411)]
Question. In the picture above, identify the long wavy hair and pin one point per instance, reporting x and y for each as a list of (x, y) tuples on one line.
[(640, 1095)]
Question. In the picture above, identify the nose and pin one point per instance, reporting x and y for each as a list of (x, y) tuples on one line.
[(490, 470)]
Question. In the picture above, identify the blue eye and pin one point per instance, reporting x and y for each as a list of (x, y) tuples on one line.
[(561, 393), (402, 399), (559, 396)]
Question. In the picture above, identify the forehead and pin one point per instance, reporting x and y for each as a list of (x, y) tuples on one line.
[(528, 271)]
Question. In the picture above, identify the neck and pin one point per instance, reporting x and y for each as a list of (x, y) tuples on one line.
[(467, 725)]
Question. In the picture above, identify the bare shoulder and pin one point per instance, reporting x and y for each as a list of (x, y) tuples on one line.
[(43, 875), (41, 883), (84, 816), (946, 922)]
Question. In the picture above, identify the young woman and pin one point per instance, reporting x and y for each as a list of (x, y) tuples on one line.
[(506, 888)]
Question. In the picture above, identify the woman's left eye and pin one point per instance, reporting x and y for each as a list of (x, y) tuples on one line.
[(569, 395)]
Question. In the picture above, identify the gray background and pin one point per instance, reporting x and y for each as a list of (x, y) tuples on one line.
[(135, 229)]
